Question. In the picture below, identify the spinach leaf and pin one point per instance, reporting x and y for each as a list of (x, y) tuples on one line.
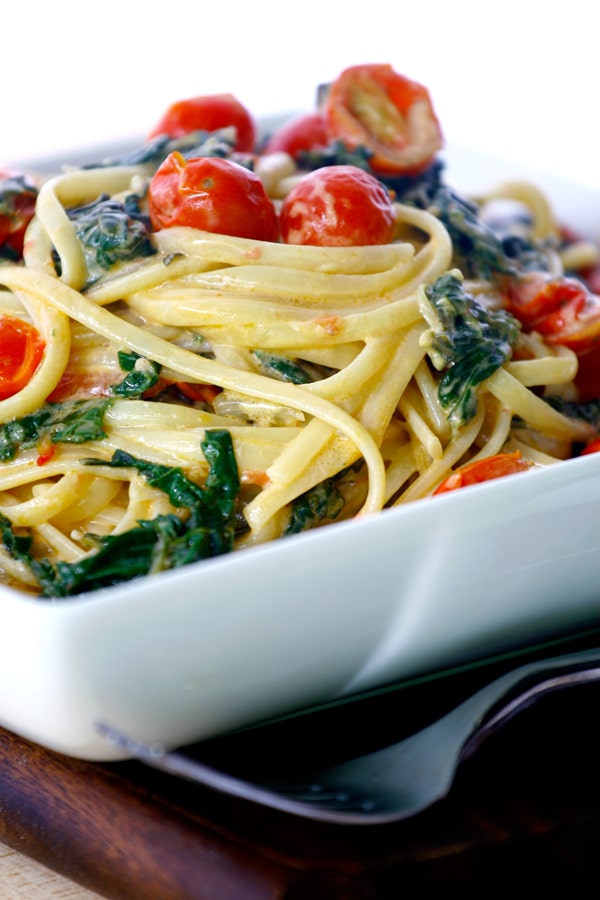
[(142, 374), (73, 422), (480, 252), (335, 154), (206, 527), (111, 231), (323, 501), (470, 344), (586, 412), (283, 368), (219, 143), (18, 546)]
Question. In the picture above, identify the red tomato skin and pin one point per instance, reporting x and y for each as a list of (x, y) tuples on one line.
[(21, 351), (587, 380), (305, 132), (564, 311), (208, 112), (498, 466), (373, 106), (338, 206), (592, 447), (211, 194)]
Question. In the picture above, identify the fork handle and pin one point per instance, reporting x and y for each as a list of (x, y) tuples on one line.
[(553, 675)]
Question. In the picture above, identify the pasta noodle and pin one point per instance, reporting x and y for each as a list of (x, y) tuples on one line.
[(208, 310)]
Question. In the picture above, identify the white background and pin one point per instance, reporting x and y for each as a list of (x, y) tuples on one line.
[(518, 79)]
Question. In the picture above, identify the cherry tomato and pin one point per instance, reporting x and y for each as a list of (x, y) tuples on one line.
[(484, 470), (208, 113), (338, 206), (17, 207), (306, 132), (587, 380), (211, 194), (76, 384), (592, 447), (199, 393), (374, 107), (563, 310), (21, 350)]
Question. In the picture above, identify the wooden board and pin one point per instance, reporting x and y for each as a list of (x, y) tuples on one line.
[(523, 819), (22, 878)]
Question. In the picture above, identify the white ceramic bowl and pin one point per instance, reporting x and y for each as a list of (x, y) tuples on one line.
[(189, 654)]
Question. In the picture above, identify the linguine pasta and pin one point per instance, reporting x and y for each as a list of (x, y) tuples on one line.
[(319, 362)]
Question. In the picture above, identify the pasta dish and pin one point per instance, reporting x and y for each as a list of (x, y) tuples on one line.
[(174, 389)]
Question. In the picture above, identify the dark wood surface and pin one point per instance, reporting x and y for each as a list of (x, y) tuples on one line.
[(522, 820)]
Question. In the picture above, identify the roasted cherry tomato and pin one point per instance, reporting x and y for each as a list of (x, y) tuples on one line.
[(199, 393), (21, 351), (484, 470), (587, 379), (373, 106), (338, 206), (563, 310), (211, 194), (592, 447), (306, 132), (17, 207), (208, 113)]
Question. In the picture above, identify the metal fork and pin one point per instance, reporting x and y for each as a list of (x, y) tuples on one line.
[(396, 781)]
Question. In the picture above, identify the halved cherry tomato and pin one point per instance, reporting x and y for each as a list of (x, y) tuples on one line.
[(373, 106), (338, 206), (21, 351), (563, 310), (208, 113), (211, 194), (305, 132), (481, 470), (17, 206)]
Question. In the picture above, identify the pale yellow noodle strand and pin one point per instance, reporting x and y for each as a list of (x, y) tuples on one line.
[(531, 454), (366, 365), (15, 570), (329, 454), (420, 429), (142, 276), (72, 189), (46, 503), (300, 454), (235, 251), (439, 468), (317, 453), (271, 328), (429, 392), (97, 494), (544, 224), (401, 467), (539, 414), (382, 398), (60, 545), (144, 413), (123, 333), (25, 469), (495, 439), (558, 369)]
